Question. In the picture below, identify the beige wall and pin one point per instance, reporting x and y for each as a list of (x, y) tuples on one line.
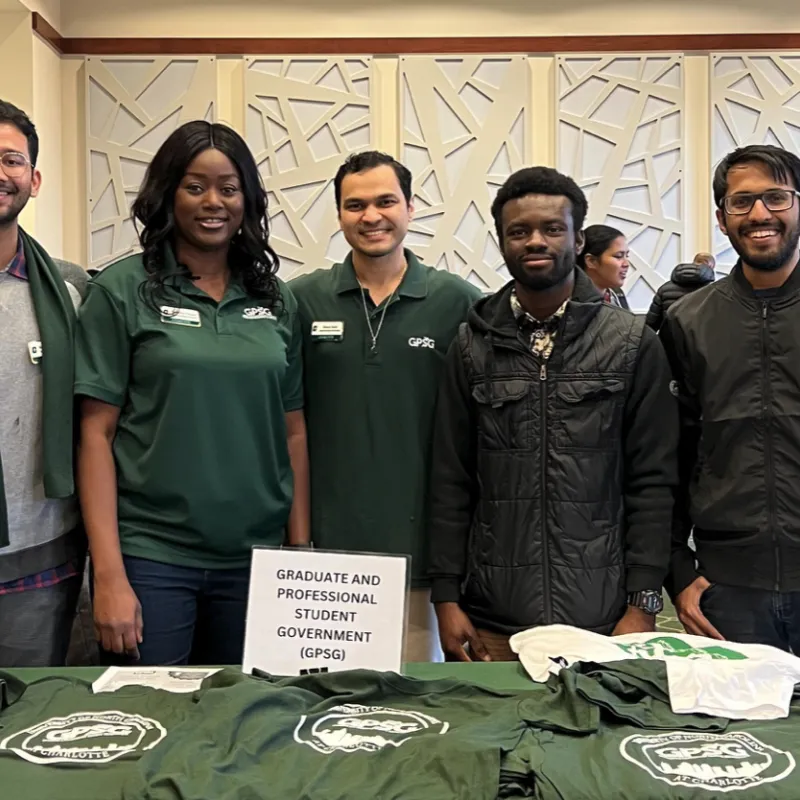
[(49, 9), (46, 114), (325, 18)]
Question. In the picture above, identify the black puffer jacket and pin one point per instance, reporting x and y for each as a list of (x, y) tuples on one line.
[(685, 278), (551, 492)]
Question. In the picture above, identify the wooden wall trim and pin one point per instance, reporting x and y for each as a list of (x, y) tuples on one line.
[(47, 32), (692, 43)]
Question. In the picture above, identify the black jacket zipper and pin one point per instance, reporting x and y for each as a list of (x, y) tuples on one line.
[(548, 611), (768, 454)]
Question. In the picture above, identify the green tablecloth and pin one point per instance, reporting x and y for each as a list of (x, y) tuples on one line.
[(493, 676)]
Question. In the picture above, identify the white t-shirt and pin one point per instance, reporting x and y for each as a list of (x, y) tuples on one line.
[(706, 676)]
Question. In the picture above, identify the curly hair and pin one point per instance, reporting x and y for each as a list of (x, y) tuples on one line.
[(250, 257), (539, 180)]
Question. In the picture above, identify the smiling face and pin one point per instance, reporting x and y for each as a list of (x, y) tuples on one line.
[(765, 240), (209, 204), (373, 214), (540, 244), (610, 268), (16, 190)]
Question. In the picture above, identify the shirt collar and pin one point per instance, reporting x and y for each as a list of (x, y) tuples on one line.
[(414, 283), (523, 317), (17, 267)]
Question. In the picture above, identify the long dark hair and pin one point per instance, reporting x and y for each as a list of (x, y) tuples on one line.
[(598, 239), (250, 258)]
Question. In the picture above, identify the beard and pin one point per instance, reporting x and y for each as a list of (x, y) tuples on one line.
[(540, 280), (18, 202), (768, 262)]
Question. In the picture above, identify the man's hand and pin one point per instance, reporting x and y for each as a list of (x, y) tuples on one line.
[(117, 617), (634, 620), (687, 604), (456, 631)]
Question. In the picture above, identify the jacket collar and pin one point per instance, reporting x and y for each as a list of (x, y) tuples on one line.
[(744, 288)]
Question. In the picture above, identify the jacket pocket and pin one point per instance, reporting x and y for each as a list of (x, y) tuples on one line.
[(502, 414), (588, 414)]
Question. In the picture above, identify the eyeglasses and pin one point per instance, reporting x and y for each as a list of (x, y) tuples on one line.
[(774, 200), (14, 164)]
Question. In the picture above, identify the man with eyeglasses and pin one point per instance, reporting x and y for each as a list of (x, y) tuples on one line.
[(734, 347), (41, 546)]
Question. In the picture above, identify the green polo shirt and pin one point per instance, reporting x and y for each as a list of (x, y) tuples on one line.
[(370, 414), (201, 451)]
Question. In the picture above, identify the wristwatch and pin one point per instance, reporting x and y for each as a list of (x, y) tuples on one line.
[(648, 600)]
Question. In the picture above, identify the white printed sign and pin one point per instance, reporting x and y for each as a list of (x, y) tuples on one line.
[(322, 611)]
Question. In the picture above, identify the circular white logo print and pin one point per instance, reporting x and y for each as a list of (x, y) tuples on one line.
[(353, 727), (716, 762), (85, 738)]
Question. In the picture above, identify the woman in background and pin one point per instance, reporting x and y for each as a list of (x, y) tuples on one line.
[(605, 259), (192, 437)]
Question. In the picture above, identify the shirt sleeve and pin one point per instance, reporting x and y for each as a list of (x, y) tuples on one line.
[(292, 389), (453, 485), (102, 348), (650, 447), (683, 569)]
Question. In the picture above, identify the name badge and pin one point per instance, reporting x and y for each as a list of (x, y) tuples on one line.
[(35, 352), (327, 331), (181, 316)]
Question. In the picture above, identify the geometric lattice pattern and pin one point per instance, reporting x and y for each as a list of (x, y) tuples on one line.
[(132, 105), (304, 116), (620, 135), (464, 127), (755, 100)]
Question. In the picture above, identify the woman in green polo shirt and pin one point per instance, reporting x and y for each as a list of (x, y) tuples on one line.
[(192, 438)]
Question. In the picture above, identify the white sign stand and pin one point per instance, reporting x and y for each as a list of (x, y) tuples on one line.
[(322, 611)]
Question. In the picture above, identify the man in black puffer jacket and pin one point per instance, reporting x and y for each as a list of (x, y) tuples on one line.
[(686, 278), (555, 446)]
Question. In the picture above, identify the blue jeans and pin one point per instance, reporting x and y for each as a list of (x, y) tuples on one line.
[(190, 615), (754, 615)]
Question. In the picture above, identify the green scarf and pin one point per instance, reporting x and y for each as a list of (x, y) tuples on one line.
[(55, 316)]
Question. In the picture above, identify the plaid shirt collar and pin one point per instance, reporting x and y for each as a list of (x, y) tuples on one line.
[(541, 333), (527, 321), (17, 267)]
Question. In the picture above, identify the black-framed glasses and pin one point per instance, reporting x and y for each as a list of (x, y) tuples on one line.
[(14, 164), (773, 199)]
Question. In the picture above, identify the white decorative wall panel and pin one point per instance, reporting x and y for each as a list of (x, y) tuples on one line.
[(303, 117), (464, 127), (755, 99), (132, 105), (620, 135)]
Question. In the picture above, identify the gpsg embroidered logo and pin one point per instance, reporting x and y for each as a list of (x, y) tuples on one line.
[(724, 762), (85, 738), (351, 727)]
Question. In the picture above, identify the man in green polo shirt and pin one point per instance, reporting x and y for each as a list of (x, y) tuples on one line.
[(376, 329)]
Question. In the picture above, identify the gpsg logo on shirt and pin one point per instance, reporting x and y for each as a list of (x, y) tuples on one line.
[(258, 312), (723, 762), (85, 738), (351, 727), (422, 341)]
